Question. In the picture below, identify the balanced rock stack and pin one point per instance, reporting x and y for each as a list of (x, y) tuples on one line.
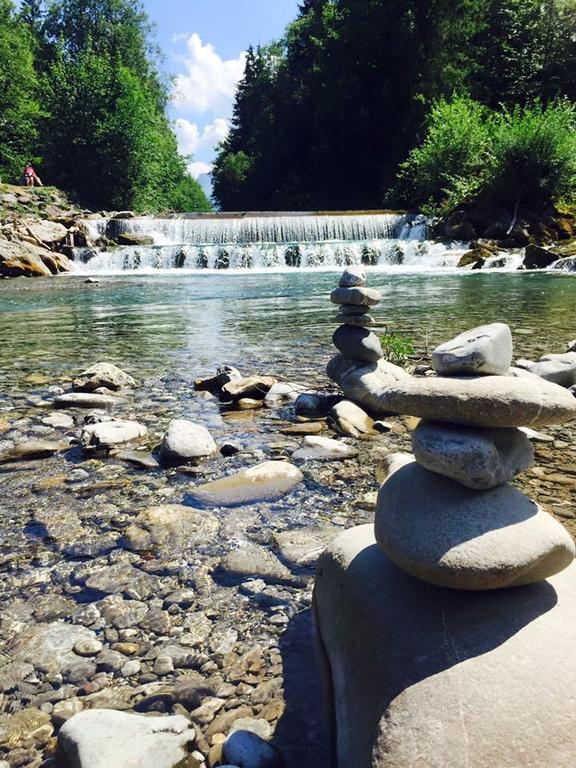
[(419, 675), (353, 339), (447, 514)]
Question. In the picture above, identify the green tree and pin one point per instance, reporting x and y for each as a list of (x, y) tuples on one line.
[(19, 106)]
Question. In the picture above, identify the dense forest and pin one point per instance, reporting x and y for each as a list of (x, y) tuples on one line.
[(404, 102), (81, 95)]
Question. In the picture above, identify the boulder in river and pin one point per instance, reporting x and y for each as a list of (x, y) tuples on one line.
[(104, 738), (102, 375), (419, 676), (486, 349), (185, 441)]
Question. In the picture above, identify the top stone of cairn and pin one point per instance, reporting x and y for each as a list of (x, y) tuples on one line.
[(353, 276), (483, 350)]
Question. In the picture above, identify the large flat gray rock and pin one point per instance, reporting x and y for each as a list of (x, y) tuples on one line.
[(364, 297), (443, 533), (424, 677), (104, 738), (486, 349), (483, 401), (558, 369), (476, 457), (171, 527)]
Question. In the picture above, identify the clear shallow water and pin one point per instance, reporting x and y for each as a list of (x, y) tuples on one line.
[(282, 322)]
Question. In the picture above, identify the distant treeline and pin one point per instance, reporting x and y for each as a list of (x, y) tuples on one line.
[(81, 95), (331, 115)]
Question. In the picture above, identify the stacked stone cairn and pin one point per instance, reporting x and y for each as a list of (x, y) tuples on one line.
[(353, 339), (447, 514)]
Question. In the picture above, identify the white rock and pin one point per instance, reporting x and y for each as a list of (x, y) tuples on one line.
[(186, 441), (486, 349), (443, 533), (351, 420), (58, 420), (571, 346), (103, 738), (478, 458), (84, 400), (283, 392), (319, 448), (268, 480), (423, 677), (108, 433)]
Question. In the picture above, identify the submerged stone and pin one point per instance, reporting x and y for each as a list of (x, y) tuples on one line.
[(269, 480), (171, 527), (323, 449)]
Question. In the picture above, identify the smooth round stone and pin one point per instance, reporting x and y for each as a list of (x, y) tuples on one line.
[(445, 678), (478, 458), (353, 276), (445, 534), (360, 321), (107, 433), (268, 480), (482, 401), (351, 420), (185, 441), (323, 449), (359, 296), (486, 349), (103, 738), (357, 343)]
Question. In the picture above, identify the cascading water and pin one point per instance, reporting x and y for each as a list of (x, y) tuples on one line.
[(264, 241)]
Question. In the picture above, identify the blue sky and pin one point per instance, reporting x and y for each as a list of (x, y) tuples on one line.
[(204, 44)]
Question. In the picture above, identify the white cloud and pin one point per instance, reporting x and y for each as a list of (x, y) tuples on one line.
[(191, 138), (197, 169), (209, 82)]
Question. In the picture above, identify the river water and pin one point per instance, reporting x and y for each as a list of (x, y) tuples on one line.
[(66, 516)]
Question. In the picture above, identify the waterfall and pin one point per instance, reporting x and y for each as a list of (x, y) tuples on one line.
[(263, 241)]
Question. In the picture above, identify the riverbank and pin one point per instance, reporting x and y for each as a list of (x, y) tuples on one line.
[(182, 625)]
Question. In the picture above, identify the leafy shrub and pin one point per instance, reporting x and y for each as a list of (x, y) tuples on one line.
[(534, 154), (526, 154), (449, 164), (397, 349)]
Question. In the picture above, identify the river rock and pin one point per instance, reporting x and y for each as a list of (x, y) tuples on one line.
[(420, 677), (357, 343), (255, 387), (171, 527), (313, 405), (303, 546), (108, 433), (102, 375), (360, 321), (185, 441), (283, 392), (486, 349), (47, 232), (483, 401), (85, 400), (103, 738), (350, 420), (246, 749), (32, 449), (443, 533), (353, 276), (477, 458), (317, 448), (266, 481), (251, 559), (365, 297), (48, 646), (58, 421), (353, 310), (558, 369)]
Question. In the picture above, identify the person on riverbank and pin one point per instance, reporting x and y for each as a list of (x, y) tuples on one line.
[(31, 177)]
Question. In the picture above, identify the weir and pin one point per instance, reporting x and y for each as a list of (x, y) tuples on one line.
[(278, 241)]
